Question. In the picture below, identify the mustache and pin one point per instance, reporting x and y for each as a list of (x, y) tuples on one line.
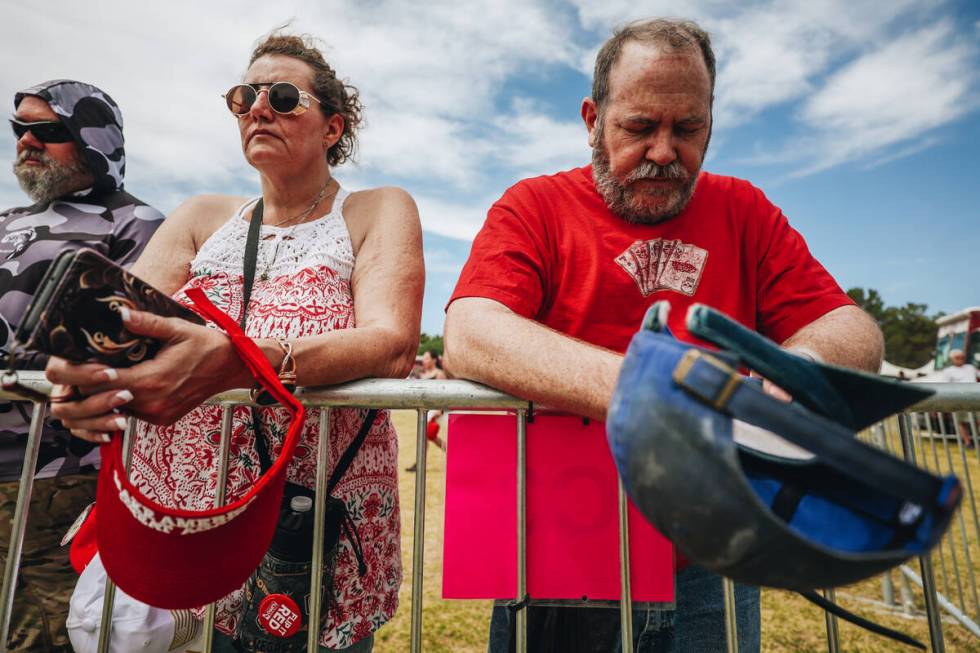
[(32, 155), (650, 170)]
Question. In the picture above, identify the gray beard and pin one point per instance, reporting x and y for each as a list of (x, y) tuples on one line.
[(51, 180), (625, 203)]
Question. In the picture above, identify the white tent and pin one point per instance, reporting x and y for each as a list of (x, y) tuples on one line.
[(887, 369)]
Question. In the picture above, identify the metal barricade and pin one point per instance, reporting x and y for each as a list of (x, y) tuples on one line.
[(903, 434)]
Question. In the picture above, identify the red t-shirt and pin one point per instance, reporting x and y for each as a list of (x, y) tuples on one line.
[(551, 250)]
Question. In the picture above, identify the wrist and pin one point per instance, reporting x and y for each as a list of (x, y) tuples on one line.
[(279, 353), (240, 376)]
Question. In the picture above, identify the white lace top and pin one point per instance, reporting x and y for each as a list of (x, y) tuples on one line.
[(302, 288), (324, 241)]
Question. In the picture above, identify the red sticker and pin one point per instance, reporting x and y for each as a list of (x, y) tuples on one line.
[(280, 616)]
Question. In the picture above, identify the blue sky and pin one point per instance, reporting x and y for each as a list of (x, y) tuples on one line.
[(859, 118)]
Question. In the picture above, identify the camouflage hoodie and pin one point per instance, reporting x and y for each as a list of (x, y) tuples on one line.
[(104, 217)]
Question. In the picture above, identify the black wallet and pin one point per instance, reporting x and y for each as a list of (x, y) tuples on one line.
[(75, 311)]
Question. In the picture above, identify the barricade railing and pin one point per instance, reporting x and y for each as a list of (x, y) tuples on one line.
[(941, 435), (906, 435)]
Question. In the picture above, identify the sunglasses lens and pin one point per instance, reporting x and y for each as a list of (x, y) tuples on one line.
[(283, 97), (46, 132), (240, 99)]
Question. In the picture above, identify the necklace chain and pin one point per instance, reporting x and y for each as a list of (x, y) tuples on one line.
[(305, 214)]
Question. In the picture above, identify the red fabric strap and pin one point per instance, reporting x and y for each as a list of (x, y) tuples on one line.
[(262, 371)]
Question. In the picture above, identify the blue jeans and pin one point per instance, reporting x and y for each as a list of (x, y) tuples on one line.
[(696, 626)]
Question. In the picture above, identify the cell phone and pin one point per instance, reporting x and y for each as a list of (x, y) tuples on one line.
[(75, 311)]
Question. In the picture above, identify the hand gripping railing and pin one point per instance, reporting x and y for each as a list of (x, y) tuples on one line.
[(422, 396)]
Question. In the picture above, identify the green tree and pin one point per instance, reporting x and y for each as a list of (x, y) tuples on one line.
[(427, 342), (870, 301), (910, 334)]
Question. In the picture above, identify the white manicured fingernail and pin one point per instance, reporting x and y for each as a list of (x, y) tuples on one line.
[(124, 313), (110, 374), (121, 423), (121, 397), (105, 437)]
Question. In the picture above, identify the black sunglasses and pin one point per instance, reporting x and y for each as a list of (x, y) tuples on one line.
[(284, 97), (46, 131)]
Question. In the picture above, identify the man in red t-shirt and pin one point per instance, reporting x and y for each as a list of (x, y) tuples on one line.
[(566, 265)]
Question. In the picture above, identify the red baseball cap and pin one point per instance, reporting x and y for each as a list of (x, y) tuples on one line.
[(171, 558)]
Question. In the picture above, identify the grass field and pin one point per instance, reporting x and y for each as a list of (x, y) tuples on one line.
[(789, 623)]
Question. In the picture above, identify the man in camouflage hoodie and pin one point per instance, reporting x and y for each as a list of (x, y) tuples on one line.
[(71, 163)]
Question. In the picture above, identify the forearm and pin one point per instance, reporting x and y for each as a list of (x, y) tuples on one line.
[(486, 342), (341, 355), (846, 336)]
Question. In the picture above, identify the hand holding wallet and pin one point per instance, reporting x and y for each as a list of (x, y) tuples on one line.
[(76, 311)]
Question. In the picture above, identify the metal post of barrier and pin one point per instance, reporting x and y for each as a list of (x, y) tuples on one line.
[(905, 587), (18, 528), (109, 595), (418, 542), (951, 538), (908, 599), (833, 634), (625, 599), (928, 581), (962, 524), (879, 435), (925, 463), (521, 615), (947, 542), (224, 447), (887, 589), (319, 527), (968, 477), (731, 616), (974, 437)]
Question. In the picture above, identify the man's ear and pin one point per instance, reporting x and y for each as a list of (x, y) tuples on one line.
[(590, 115), (333, 130)]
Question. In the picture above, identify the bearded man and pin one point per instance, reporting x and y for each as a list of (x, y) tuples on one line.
[(71, 163), (566, 265)]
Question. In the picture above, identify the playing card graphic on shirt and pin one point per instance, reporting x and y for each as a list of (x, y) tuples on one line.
[(683, 271), (660, 264)]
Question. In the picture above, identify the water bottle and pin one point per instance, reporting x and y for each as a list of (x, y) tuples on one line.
[(294, 532), (276, 604)]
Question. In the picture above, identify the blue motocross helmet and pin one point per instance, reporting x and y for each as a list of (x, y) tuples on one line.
[(766, 492)]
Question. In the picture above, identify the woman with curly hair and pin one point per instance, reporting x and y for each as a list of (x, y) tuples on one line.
[(324, 257)]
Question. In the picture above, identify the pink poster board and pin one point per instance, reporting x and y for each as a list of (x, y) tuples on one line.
[(572, 515)]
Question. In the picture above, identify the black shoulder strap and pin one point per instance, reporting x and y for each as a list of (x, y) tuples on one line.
[(261, 446), (251, 254), (265, 460), (348, 457)]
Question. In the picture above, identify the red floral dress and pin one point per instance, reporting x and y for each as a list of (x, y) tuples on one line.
[(302, 288)]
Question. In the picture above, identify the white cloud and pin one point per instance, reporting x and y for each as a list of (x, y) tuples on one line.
[(533, 142), (414, 144), (769, 53), (430, 75), (893, 95), (602, 16), (438, 79), (453, 219), (902, 153)]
